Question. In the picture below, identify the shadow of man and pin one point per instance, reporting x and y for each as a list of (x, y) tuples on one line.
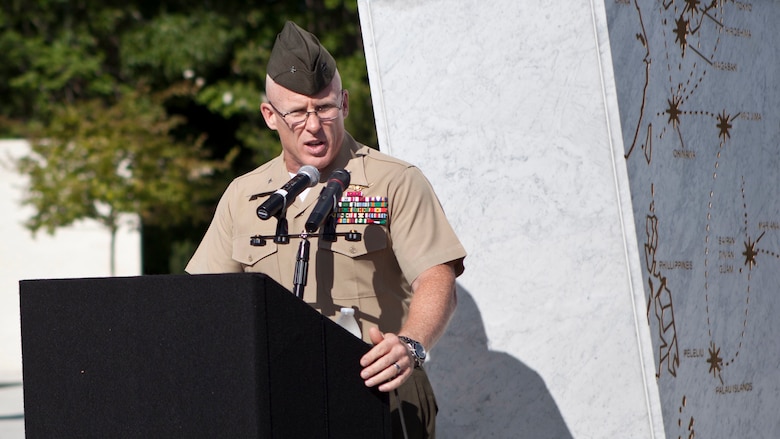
[(483, 393)]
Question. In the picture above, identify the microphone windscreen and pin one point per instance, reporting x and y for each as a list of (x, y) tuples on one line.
[(311, 172)]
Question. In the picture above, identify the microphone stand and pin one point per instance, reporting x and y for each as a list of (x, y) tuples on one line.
[(282, 237), (301, 266), (302, 256)]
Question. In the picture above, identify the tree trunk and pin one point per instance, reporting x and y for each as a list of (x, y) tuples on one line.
[(113, 250)]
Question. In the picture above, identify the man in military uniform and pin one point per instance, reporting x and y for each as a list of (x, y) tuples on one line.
[(399, 278)]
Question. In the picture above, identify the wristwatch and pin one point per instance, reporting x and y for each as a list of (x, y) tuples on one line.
[(416, 348)]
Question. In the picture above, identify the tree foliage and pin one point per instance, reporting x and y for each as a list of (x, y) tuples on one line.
[(152, 106), (99, 162)]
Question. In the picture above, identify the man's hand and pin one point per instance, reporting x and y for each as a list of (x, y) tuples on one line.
[(388, 364)]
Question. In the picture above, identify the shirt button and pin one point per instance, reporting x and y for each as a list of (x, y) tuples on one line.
[(352, 250), (250, 258)]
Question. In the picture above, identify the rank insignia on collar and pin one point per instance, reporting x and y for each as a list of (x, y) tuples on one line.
[(355, 208)]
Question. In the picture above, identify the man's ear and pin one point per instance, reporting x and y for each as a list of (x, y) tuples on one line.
[(345, 104), (269, 115)]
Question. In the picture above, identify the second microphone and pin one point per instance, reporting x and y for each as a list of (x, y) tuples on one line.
[(328, 200)]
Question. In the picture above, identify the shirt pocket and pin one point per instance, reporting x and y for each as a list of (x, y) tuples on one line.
[(374, 238), (354, 265)]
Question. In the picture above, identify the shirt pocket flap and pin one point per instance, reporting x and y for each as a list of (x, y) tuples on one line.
[(373, 238), (248, 254)]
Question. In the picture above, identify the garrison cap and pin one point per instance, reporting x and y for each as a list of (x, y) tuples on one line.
[(298, 61)]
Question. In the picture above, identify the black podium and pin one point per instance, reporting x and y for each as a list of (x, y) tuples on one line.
[(211, 356)]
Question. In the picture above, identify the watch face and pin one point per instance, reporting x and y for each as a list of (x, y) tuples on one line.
[(419, 350)]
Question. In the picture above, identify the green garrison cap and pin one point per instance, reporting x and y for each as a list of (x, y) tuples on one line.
[(299, 62)]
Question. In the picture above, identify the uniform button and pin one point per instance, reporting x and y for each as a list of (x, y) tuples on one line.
[(250, 258), (352, 250)]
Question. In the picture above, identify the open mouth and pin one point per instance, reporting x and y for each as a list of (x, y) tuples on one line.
[(315, 145)]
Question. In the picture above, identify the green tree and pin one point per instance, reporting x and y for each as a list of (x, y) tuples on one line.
[(73, 70), (100, 162)]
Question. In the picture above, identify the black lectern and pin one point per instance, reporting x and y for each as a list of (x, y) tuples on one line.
[(213, 356)]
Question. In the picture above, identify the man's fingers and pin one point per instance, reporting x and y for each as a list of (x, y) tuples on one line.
[(375, 335), (387, 365)]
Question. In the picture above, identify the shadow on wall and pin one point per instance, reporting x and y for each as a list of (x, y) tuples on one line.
[(483, 393)]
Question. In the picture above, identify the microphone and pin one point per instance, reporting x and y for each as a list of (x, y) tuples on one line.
[(329, 196), (307, 176)]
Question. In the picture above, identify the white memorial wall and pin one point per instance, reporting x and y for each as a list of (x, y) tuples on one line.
[(697, 86), (612, 168), (509, 108)]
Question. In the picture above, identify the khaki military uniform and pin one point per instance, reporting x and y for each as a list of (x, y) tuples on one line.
[(372, 275)]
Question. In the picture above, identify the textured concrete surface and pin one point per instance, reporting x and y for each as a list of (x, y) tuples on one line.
[(11, 407)]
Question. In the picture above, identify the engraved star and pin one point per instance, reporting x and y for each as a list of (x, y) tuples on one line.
[(715, 361), (723, 125), (692, 6), (750, 252), (681, 31), (673, 111)]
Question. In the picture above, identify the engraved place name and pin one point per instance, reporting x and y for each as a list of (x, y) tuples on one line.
[(734, 388), (725, 254), (623, 2), (750, 116), (727, 66), (684, 154), (744, 6), (737, 32), (676, 265), (726, 240), (768, 225), (693, 353)]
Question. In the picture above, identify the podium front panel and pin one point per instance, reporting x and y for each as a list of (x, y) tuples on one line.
[(232, 355)]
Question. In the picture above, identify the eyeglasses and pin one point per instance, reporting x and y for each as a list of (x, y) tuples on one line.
[(298, 118)]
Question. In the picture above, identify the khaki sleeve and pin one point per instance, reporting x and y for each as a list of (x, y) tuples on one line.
[(214, 254), (421, 235)]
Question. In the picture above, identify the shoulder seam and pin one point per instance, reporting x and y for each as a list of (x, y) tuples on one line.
[(380, 156)]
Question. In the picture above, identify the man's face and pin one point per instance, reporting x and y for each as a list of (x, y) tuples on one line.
[(314, 142)]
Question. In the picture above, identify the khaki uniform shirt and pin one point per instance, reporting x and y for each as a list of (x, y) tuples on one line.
[(373, 275)]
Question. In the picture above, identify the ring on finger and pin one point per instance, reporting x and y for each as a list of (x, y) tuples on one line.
[(397, 369)]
